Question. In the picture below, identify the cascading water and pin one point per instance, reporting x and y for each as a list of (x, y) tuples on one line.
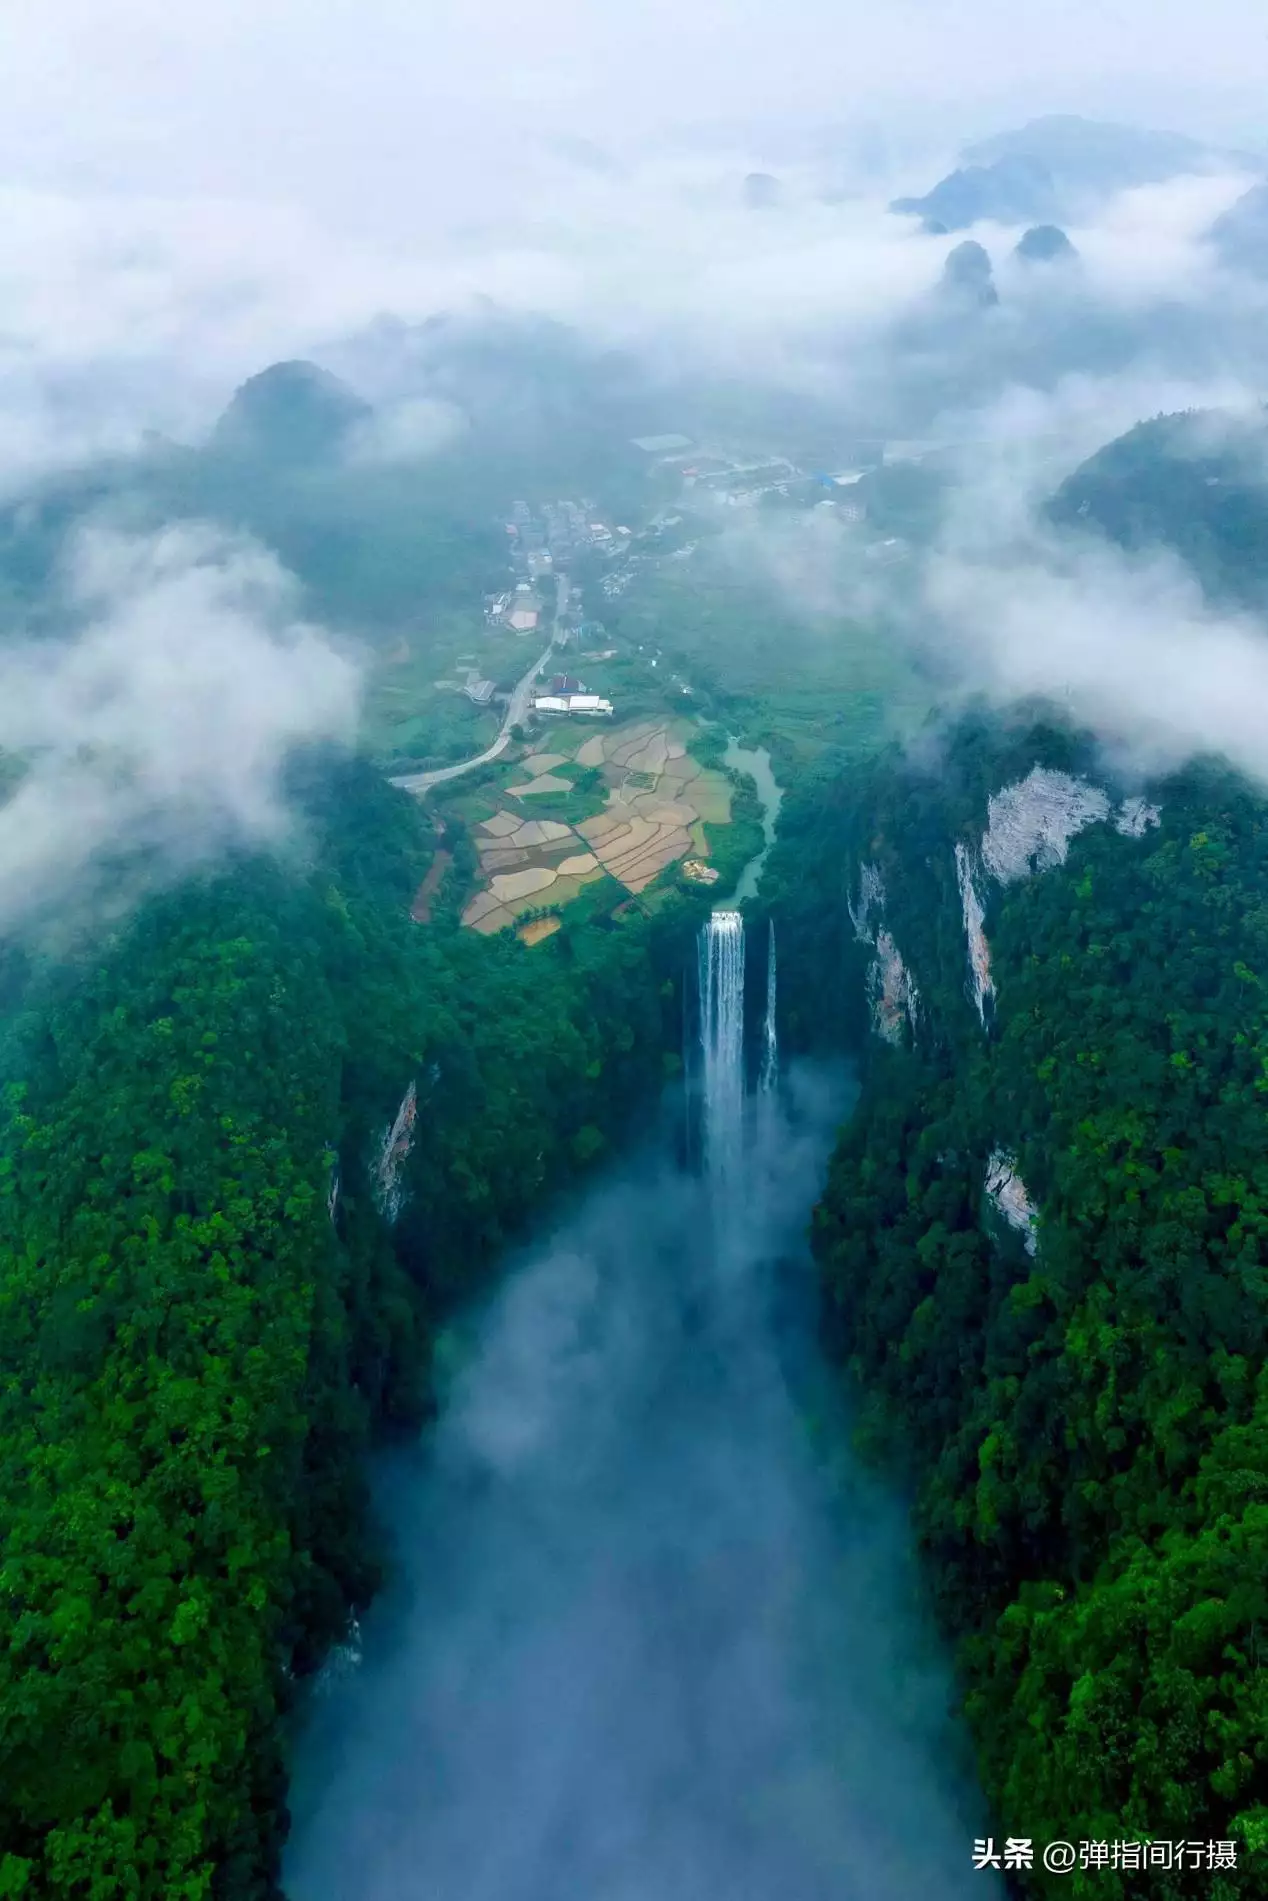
[(640, 1646), (721, 960), (770, 1039)]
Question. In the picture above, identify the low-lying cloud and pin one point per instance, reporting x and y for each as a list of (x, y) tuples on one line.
[(1149, 242), (642, 1645), (1006, 604), (406, 432), (1127, 642), (1126, 639), (127, 307), (130, 311), (154, 737)]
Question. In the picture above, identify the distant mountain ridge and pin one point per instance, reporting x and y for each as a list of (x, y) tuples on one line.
[(967, 277), (1098, 154), (1049, 170), (1013, 190), (291, 411), (1045, 244), (1240, 236)]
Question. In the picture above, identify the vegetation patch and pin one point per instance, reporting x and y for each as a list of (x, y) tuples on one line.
[(1084, 1406), (204, 1316), (635, 805)]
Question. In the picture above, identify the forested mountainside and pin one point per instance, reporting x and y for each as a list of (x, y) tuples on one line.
[(1043, 1253), (1194, 482), (367, 541), (206, 1308)]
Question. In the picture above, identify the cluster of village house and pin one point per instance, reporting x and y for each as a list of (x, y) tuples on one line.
[(540, 544), (541, 541)]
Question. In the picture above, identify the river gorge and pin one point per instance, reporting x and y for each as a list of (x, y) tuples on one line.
[(653, 1633)]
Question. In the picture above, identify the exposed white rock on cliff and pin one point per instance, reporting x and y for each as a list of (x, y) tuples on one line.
[(892, 991), (891, 988), (982, 983), (1135, 816), (866, 915), (1030, 825), (1007, 1192), (394, 1154)]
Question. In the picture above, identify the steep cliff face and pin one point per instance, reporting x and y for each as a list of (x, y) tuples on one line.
[(1030, 824), (1029, 827), (393, 1155), (1041, 1246), (1134, 817), (865, 915), (981, 983), (1009, 1196), (942, 863), (893, 994), (893, 997)]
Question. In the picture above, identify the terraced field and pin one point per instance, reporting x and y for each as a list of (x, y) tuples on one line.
[(658, 801)]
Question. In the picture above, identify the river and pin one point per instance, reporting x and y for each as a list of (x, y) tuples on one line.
[(653, 1635), (756, 762)]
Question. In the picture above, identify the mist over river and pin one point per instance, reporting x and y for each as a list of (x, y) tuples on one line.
[(652, 1635)]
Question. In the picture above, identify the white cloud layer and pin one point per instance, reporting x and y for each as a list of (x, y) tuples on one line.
[(162, 726), (1128, 644), (1126, 640), (372, 108), (125, 312), (186, 198), (406, 432), (1006, 604)]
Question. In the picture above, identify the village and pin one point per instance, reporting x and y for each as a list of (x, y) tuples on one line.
[(553, 813)]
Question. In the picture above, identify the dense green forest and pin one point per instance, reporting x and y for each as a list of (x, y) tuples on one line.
[(211, 1305), (1192, 482), (205, 1315), (1087, 1426), (369, 545)]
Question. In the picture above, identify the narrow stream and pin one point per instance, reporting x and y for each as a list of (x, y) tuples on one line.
[(756, 762), (654, 1636)]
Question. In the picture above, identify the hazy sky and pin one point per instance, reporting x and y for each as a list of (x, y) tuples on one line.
[(347, 105), (188, 192)]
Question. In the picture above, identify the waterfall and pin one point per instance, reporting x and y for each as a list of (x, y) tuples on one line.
[(770, 1039), (721, 955), (394, 1152)]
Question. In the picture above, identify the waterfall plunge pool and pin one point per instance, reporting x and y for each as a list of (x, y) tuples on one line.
[(652, 1634)]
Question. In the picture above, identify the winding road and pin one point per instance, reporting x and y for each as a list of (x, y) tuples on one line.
[(421, 782)]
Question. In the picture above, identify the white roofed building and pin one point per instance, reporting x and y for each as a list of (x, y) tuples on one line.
[(590, 705)]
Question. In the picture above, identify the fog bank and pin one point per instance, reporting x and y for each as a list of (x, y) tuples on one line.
[(643, 1645), (153, 736)]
